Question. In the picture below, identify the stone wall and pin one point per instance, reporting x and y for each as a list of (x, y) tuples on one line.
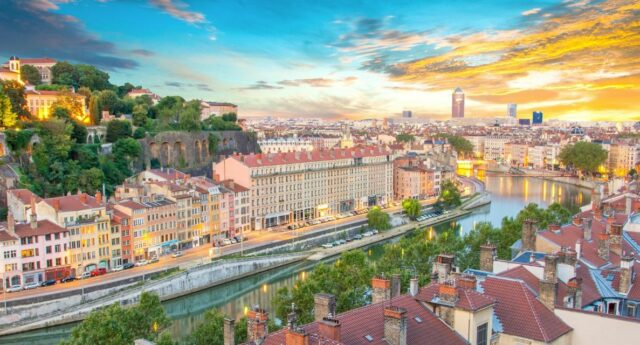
[(182, 150)]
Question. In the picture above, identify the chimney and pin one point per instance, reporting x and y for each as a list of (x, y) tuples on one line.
[(467, 282), (256, 324), (325, 305), (603, 246), (83, 198), (628, 205), (293, 334), (615, 232), (395, 285), (442, 267), (56, 204), (558, 229), (413, 287), (577, 220), (216, 177), (395, 325), (229, 332), (549, 282), (529, 235), (586, 232), (99, 198), (381, 289), (596, 201), (578, 249), (626, 273), (329, 328), (575, 291), (11, 224), (597, 214), (609, 223), (34, 217), (487, 254)]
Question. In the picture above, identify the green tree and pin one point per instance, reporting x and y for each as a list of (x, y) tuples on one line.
[(123, 90), (140, 112), (209, 332), (411, 207), (94, 108), (93, 78), (449, 195), (463, 147), (378, 219), (405, 138), (7, 116), (118, 129), (126, 149), (583, 156), (64, 73), (230, 117), (91, 180), (189, 116), (30, 74), (110, 101), (73, 104), (15, 92), (139, 133), (633, 173), (213, 143)]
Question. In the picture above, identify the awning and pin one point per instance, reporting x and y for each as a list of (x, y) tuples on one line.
[(277, 214)]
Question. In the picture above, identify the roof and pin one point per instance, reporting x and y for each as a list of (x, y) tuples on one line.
[(169, 174), (220, 104), (520, 313), (521, 273), (369, 320), (24, 195), (75, 202), (470, 300), (282, 158), (37, 60), (131, 205), (234, 186), (44, 227), (4, 235)]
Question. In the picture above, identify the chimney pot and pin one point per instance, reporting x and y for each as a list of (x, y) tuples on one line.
[(413, 287), (325, 305), (329, 328), (395, 325), (467, 282), (229, 332), (381, 289)]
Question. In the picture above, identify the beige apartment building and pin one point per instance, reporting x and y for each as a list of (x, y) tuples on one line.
[(293, 186), (623, 156)]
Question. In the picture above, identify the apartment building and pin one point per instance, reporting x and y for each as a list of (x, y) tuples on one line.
[(285, 145), (86, 219), (209, 109), (39, 104), (624, 156), (241, 203), (494, 147), (412, 179), (294, 186), (478, 144), (516, 154)]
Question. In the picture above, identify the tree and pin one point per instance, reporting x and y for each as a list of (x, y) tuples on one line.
[(584, 156), (405, 138), (462, 146), (633, 173), (93, 78), (411, 207), (94, 108), (73, 104), (7, 116), (449, 195), (139, 133), (115, 325), (110, 101), (213, 143), (139, 114), (30, 74), (91, 180), (126, 148), (189, 116), (15, 92), (210, 331), (230, 117), (118, 129), (378, 219), (64, 73)]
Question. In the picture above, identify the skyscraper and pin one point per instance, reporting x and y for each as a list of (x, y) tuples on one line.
[(537, 118), (407, 114), (512, 110), (457, 104)]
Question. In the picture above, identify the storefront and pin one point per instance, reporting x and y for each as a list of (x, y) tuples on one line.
[(57, 273), (322, 210), (346, 206), (275, 219)]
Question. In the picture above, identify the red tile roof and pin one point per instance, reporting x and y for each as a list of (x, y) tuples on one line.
[(520, 313), (4, 235), (369, 320), (44, 227), (131, 204), (76, 202), (234, 186), (37, 60), (281, 158), (24, 195), (467, 299), (521, 273)]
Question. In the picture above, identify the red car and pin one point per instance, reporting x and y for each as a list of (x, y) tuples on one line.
[(98, 272)]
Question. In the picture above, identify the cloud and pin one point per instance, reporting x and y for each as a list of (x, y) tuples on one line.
[(142, 52), (29, 29), (180, 11), (181, 85), (317, 82), (531, 11), (261, 85)]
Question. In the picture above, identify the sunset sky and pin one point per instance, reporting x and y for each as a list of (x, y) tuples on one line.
[(572, 59)]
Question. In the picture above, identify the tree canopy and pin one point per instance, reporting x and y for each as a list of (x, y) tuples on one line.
[(411, 207), (30, 74), (405, 138), (462, 146), (378, 219), (449, 195), (583, 156)]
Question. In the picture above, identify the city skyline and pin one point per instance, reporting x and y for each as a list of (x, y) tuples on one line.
[(573, 60)]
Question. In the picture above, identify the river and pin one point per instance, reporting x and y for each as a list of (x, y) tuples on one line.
[(509, 196)]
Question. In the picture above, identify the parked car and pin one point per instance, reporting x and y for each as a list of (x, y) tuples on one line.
[(357, 237), (117, 268), (128, 265), (14, 288), (142, 262), (31, 285), (98, 272), (48, 282), (327, 245), (176, 254), (85, 275), (68, 279), (154, 259), (233, 240)]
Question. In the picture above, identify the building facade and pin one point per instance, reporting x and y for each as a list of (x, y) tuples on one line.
[(457, 104)]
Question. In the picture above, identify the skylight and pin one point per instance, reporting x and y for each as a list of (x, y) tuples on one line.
[(368, 337), (418, 319)]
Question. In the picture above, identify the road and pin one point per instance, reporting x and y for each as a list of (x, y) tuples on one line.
[(191, 257)]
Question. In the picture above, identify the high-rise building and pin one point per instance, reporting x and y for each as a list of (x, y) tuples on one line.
[(537, 118), (407, 114), (457, 104), (512, 110)]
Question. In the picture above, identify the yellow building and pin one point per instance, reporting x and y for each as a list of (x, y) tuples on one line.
[(39, 103)]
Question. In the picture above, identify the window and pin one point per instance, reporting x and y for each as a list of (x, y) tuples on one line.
[(481, 334)]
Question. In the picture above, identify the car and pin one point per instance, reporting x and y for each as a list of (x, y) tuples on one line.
[(233, 240), (357, 237), (68, 279), (48, 282), (374, 231), (31, 285), (176, 254), (117, 268), (367, 234), (128, 265), (142, 262), (226, 242), (98, 272), (85, 275), (154, 259), (349, 239), (327, 245), (14, 288)]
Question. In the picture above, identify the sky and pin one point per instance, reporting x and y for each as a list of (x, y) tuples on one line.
[(571, 59)]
